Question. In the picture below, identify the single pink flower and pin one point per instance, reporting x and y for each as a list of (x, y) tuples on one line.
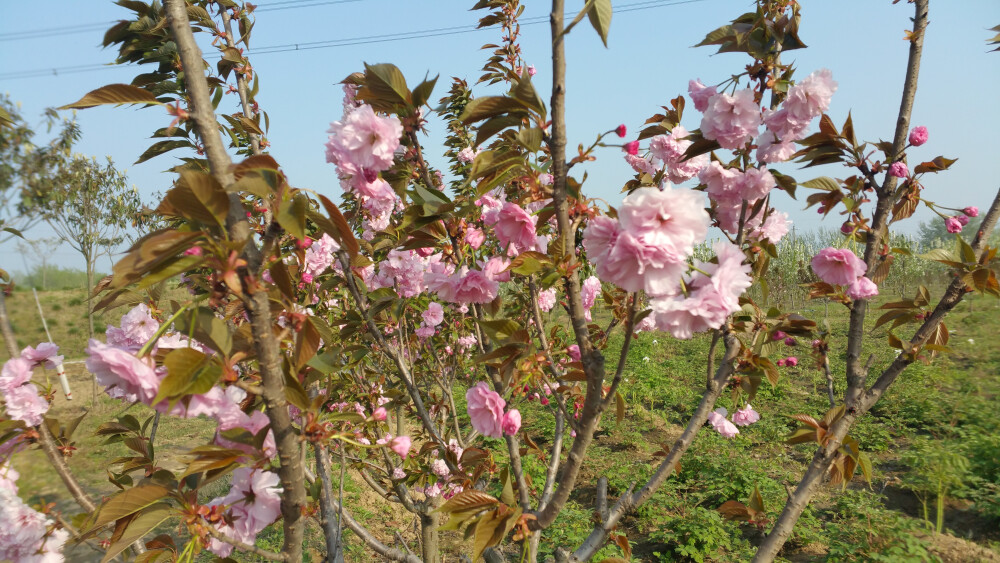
[(953, 225), (532, 70), (363, 141), (791, 361), (778, 335), (731, 120), (511, 422), (862, 288), (789, 341), (631, 147), (700, 94), (424, 332), (717, 419), (971, 211), (899, 170), (471, 286), (193, 251), (574, 352), (745, 416), (918, 136), (434, 315), (379, 414), (589, 291), (547, 299), (838, 266), (25, 404), (621, 130), (770, 149), (255, 500), (16, 372), (401, 445), (485, 410), (517, 227), (121, 373), (466, 155)]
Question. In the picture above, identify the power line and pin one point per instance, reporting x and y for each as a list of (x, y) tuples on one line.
[(98, 26), (352, 41)]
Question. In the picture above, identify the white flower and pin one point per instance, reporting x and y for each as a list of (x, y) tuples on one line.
[(645, 358)]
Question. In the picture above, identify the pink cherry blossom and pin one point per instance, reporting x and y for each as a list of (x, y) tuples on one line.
[(862, 288), (401, 445), (547, 299), (574, 352), (496, 269), (722, 184), (469, 286), (485, 410), (25, 535), (474, 237), (631, 147), (756, 183), (466, 155), (363, 141), (770, 149), (490, 206), (621, 130), (731, 120), (379, 414), (791, 361), (404, 270), (670, 150), (424, 332), (511, 422), (700, 94), (589, 291), (963, 219), (790, 341), (774, 228), (971, 211), (953, 225), (745, 416), (545, 179), (254, 424), (255, 499), (717, 419), (434, 315), (515, 226), (46, 353), (838, 266), (657, 231), (122, 374), (898, 169), (15, 372), (440, 468), (918, 136), (137, 327), (640, 164), (320, 255), (25, 404)]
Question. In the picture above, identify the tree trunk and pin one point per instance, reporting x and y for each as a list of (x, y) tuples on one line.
[(429, 546), (90, 286), (8, 332)]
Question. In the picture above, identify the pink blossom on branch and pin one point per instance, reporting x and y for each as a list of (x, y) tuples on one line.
[(717, 419), (971, 211), (401, 445), (511, 422), (953, 225), (363, 141), (745, 416), (547, 299), (918, 136), (631, 147), (15, 372), (25, 404), (731, 120), (862, 288), (838, 266), (515, 226), (899, 170), (700, 94), (123, 375), (45, 353), (485, 410), (589, 291)]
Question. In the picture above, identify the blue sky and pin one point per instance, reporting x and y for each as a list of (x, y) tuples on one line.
[(649, 61)]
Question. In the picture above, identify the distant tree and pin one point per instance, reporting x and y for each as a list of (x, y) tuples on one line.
[(15, 145), (40, 251), (89, 205)]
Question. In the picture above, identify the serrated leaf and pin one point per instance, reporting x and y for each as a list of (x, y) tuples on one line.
[(116, 94)]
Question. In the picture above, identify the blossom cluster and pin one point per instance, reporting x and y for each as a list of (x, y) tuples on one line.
[(840, 266), (21, 397), (742, 417), (253, 503), (26, 535), (486, 410)]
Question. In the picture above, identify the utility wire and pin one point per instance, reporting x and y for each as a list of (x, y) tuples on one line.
[(98, 26), (363, 40)]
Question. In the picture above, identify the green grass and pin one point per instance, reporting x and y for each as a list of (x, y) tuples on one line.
[(949, 404)]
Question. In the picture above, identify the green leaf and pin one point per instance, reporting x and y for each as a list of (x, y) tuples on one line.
[(491, 106), (139, 527), (385, 86), (600, 17), (821, 183), (422, 92), (124, 503), (117, 94), (160, 147), (189, 372), (291, 215)]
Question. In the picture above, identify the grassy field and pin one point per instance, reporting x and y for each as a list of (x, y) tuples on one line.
[(937, 425)]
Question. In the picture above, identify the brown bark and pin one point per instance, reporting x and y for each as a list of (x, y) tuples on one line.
[(269, 356)]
